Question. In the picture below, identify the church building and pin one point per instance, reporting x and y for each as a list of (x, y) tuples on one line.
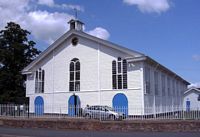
[(80, 69)]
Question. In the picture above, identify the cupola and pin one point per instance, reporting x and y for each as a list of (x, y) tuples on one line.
[(76, 25)]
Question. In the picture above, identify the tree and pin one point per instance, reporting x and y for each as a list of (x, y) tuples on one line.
[(16, 52)]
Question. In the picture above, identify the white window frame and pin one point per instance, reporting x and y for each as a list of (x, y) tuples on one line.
[(39, 81)]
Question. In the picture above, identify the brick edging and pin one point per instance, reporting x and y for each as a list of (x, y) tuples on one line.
[(83, 124)]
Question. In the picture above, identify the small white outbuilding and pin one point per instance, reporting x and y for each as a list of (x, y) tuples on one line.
[(191, 100)]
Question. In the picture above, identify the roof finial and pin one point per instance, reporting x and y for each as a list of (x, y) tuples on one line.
[(76, 13), (75, 23)]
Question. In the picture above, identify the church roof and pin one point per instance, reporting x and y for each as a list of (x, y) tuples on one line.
[(192, 89), (81, 34), (157, 65), (134, 55)]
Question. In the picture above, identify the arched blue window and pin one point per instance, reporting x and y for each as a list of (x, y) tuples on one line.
[(74, 80), (39, 105), (187, 105), (119, 74), (74, 105), (120, 103)]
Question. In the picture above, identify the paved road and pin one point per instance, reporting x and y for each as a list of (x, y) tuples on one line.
[(24, 132)]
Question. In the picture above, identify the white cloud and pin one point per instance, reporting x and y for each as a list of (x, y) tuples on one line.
[(70, 6), (196, 57), (52, 4), (12, 11), (47, 26), (196, 85), (44, 26), (46, 2), (100, 33), (150, 6)]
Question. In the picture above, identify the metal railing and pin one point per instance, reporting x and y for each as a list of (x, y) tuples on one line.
[(100, 112)]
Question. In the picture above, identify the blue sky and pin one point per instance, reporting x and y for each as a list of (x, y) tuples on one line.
[(166, 30)]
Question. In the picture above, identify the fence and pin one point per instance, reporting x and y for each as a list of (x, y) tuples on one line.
[(100, 112)]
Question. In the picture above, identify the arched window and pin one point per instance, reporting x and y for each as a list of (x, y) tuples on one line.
[(198, 98), (74, 80), (119, 74), (147, 80), (114, 74), (125, 74), (39, 105), (39, 81)]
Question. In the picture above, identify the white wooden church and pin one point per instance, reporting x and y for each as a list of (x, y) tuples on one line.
[(80, 69)]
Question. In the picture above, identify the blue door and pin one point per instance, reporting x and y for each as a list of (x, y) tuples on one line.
[(39, 105), (120, 103), (74, 105), (187, 105)]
